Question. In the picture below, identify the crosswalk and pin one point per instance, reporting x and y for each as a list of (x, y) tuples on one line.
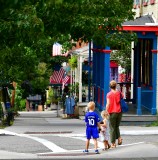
[(55, 148)]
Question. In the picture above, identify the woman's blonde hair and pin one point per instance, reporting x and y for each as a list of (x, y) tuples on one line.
[(91, 105), (113, 84), (105, 114)]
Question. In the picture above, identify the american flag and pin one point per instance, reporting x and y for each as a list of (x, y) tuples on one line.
[(57, 76), (65, 80), (57, 50)]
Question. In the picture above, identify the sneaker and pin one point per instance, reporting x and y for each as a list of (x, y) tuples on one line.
[(85, 151), (96, 151)]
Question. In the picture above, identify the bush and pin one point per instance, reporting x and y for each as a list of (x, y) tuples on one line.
[(22, 105)]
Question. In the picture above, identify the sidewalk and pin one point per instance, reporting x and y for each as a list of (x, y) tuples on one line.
[(135, 130), (125, 130), (138, 130), (41, 119)]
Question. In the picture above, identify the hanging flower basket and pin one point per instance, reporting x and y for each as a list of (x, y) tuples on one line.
[(73, 62)]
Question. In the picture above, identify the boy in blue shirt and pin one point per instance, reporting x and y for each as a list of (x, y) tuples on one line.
[(92, 124)]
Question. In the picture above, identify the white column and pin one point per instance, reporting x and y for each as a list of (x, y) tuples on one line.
[(80, 80), (71, 77), (75, 79), (132, 67)]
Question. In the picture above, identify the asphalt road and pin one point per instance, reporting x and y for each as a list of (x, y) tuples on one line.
[(43, 135)]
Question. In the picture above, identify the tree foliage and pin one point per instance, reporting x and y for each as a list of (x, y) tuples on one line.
[(28, 28), (123, 58)]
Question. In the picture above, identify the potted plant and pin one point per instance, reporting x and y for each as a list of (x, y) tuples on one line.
[(54, 102), (83, 96), (48, 102)]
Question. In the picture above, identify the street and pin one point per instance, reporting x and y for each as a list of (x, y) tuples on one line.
[(43, 135)]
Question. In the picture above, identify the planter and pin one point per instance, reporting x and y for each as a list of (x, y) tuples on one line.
[(40, 108), (53, 106)]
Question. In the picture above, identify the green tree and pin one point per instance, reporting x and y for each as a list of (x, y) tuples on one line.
[(41, 79), (123, 57), (28, 28)]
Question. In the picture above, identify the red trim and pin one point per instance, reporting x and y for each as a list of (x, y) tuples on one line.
[(154, 51), (145, 3), (101, 50), (134, 6), (141, 28), (152, 1), (113, 64)]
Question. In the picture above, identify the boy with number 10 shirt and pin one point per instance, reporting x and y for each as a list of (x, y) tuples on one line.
[(92, 124)]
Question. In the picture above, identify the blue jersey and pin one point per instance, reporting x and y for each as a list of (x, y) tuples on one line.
[(91, 119)]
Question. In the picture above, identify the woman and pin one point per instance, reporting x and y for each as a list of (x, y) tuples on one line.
[(114, 109)]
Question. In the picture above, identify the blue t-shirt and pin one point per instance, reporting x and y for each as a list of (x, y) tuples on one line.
[(91, 119)]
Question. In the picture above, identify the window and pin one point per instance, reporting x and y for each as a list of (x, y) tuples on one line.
[(136, 3)]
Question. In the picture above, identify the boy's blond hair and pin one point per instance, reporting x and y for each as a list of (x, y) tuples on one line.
[(105, 114), (91, 105)]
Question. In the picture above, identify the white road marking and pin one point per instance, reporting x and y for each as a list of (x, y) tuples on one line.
[(131, 144), (139, 132), (56, 149), (52, 146), (100, 144)]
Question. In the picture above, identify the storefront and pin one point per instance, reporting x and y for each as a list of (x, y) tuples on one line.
[(144, 66)]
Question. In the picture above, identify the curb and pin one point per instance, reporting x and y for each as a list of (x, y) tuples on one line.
[(123, 132)]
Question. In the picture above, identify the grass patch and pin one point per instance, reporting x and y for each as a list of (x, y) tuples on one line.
[(2, 126), (153, 124), (4, 123)]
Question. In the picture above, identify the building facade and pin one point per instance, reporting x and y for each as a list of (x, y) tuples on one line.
[(144, 7), (144, 60)]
